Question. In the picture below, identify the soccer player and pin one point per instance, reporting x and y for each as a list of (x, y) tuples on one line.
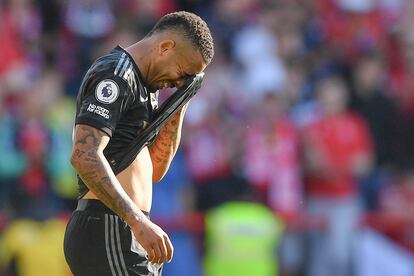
[(110, 232)]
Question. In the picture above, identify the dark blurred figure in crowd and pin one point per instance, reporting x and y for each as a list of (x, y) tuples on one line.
[(337, 152), (402, 83), (372, 101)]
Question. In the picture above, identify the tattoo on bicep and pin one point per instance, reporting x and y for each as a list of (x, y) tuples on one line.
[(86, 134)]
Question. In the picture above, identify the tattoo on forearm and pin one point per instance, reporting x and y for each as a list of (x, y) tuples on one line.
[(166, 144), (95, 174), (79, 153)]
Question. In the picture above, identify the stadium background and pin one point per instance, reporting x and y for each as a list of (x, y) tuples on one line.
[(332, 176)]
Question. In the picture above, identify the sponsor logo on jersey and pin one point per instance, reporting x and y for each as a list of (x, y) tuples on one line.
[(107, 91), (93, 108)]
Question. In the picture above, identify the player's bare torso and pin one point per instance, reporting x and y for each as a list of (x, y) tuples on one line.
[(136, 180)]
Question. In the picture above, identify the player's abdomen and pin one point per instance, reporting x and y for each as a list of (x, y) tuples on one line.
[(136, 180)]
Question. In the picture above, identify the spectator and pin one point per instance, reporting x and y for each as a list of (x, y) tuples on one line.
[(371, 100), (255, 49), (338, 151), (271, 158), (242, 239), (208, 154), (13, 162), (33, 248), (271, 162)]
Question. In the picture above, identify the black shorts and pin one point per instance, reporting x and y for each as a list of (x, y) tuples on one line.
[(99, 243)]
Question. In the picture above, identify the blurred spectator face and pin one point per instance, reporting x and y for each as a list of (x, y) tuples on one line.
[(295, 80), (272, 107), (290, 43), (292, 15), (149, 7), (369, 74), (332, 96), (235, 8)]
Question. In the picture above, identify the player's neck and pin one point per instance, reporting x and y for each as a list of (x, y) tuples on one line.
[(142, 52)]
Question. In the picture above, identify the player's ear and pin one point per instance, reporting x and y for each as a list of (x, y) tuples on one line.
[(165, 46)]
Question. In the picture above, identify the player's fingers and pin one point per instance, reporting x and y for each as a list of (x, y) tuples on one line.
[(157, 253), (170, 248), (163, 249), (151, 254)]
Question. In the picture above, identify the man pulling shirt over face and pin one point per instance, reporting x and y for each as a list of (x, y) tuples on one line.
[(110, 232)]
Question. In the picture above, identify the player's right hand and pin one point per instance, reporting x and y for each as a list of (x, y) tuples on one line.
[(155, 241)]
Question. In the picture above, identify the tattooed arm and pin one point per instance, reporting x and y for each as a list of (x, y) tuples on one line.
[(163, 149), (90, 163)]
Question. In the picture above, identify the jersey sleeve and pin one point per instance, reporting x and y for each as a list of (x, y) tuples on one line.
[(103, 101)]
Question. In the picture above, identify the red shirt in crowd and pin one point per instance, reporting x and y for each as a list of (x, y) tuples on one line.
[(337, 141), (272, 164), (206, 153), (11, 52)]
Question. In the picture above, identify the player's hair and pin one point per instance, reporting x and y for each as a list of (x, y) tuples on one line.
[(195, 30)]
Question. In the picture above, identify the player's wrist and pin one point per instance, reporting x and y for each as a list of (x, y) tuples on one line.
[(137, 220)]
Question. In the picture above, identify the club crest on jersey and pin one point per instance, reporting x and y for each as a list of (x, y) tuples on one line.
[(107, 91)]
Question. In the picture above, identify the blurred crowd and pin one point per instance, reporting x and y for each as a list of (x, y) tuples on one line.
[(306, 113)]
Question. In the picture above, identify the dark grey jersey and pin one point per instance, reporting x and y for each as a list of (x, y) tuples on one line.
[(113, 98)]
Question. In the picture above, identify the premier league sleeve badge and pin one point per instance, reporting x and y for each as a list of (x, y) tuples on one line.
[(107, 91)]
